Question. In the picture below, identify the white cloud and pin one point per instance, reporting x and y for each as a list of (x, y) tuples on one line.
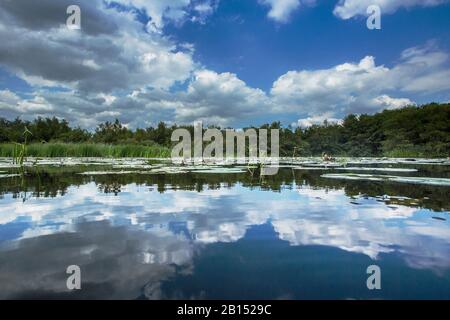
[(8, 97), (340, 89), (113, 68), (218, 98), (316, 120), (12, 104), (224, 99), (202, 10), (362, 87), (215, 98), (113, 54), (162, 11), (391, 103), (281, 10), (423, 69), (347, 9), (158, 10)]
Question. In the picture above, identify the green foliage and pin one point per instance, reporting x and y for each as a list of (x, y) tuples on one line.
[(409, 132), (42, 130), (86, 150)]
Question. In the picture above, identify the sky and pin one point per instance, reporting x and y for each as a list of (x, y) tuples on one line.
[(224, 62)]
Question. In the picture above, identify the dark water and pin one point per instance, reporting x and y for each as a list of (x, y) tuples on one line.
[(222, 236)]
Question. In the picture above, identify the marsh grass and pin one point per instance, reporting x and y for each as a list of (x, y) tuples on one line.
[(52, 150)]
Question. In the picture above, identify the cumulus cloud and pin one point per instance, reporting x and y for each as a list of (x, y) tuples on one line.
[(202, 10), (347, 9), (362, 87), (158, 10), (316, 120), (391, 103), (176, 11), (8, 98), (100, 58), (113, 68), (281, 10), (223, 97), (215, 98), (12, 105)]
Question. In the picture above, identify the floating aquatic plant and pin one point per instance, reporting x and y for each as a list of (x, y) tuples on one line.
[(370, 177), (377, 169)]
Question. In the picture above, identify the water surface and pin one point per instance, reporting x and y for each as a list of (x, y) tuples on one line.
[(236, 235)]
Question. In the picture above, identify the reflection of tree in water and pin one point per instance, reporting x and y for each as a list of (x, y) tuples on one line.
[(112, 187), (54, 182), (42, 185)]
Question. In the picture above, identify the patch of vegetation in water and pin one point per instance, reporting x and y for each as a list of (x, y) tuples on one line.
[(377, 169), (370, 177), (9, 175)]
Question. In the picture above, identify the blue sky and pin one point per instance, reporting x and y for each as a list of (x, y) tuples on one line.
[(239, 38), (227, 62)]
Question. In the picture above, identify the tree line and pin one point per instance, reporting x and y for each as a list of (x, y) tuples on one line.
[(414, 131)]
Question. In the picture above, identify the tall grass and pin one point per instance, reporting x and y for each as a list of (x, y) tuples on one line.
[(409, 152), (50, 150)]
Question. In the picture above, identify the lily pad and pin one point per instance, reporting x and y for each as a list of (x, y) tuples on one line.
[(9, 175), (100, 173), (221, 170), (311, 168), (377, 169), (324, 165), (411, 180), (168, 170)]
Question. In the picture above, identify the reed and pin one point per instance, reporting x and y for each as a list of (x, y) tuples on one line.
[(51, 150)]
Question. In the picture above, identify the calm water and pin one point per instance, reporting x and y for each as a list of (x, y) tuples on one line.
[(223, 236)]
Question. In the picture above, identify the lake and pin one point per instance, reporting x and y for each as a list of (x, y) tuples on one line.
[(142, 229)]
